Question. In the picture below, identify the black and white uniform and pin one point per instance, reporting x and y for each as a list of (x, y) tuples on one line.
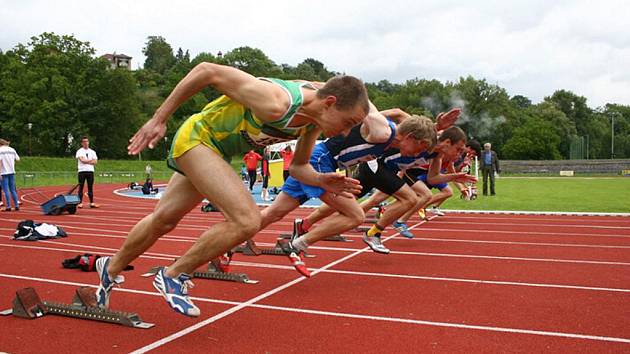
[(382, 173)]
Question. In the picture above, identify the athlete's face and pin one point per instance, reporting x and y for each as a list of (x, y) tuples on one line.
[(409, 146), (335, 122), (85, 143), (451, 151)]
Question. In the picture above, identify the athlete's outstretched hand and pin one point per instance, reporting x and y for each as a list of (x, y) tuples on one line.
[(149, 135), (339, 184), (462, 177), (446, 120)]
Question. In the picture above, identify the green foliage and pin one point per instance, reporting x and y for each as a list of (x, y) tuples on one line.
[(55, 83), (535, 140), (159, 54)]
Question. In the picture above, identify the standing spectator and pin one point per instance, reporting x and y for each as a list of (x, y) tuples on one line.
[(266, 174), (8, 156), (86, 160), (251, 162), (148, 170), (489, 165), (287, 157)]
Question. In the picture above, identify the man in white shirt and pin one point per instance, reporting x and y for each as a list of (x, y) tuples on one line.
[(8, 156), (86, 159)]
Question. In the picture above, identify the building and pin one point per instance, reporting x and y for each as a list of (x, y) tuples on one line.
[(118, 60)]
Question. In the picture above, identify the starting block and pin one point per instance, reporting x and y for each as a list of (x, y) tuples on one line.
[(249, 248), (213, 273), (338, 238), (27, 304)]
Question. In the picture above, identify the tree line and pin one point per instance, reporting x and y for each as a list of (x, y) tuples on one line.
[(54, 91)]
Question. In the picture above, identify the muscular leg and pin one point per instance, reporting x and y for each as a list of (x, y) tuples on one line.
[(203, 168), (424, 197), (180, 197), (280, 207), (441, 196), (406, 199), (348, 217), (241, 213)]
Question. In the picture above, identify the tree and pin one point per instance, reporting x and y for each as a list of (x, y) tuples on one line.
[(159, 55), (521, 102), (535, 140), (55, 83), (486, 107), (560, 123), (252, 61), (574, 107)]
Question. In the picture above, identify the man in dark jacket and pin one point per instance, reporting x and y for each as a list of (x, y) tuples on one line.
[(489, 165)]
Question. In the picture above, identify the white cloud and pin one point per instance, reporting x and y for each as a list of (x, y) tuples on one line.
[(530, 47)]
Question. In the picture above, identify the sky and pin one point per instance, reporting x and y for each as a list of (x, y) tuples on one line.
[(530, 48)]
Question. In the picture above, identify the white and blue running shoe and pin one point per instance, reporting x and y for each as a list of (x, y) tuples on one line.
[(106, 283), (402, 228), (175, 291)]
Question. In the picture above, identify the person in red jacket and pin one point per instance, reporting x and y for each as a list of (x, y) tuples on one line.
[(251, 162), (287, 156)]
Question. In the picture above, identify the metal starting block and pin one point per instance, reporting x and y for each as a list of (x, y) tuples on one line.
[(338, 238), (213, 273), (27, 304), (249, 248)]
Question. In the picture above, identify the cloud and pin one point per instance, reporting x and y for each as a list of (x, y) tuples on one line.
[(531, 48)]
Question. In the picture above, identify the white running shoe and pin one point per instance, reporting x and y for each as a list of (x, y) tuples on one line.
[(437, 211), (374, 242)]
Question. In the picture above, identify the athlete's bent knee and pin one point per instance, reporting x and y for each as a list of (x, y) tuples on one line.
[(247, 225)]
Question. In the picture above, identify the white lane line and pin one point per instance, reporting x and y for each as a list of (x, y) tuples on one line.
[(349, 315), (212, 319), (170, 257)]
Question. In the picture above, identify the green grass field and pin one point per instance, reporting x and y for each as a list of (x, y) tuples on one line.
[(576, 194)]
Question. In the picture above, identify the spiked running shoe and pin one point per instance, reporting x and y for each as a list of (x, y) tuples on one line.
[(224, 261), (175, 291), (375, 243), (298, 229), (294, 257), (403, 229), (106, 283)]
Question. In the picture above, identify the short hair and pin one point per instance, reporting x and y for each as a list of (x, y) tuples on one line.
[(474, 144), (487, 145), (420, 128), (454, 134), (349, 91), (85, 138)]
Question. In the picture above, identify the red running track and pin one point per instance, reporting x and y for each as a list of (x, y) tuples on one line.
[(466, 283)]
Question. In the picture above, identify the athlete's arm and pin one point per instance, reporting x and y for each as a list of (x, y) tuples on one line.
[(396, 114), (302, 170), (266, 100), (375, 128), (435, 177)]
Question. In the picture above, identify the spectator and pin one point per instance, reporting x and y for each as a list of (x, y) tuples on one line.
[(251, 162), (8, 156), (287, 157), (148, 170), (489, 165), (86, 158), (264, 171)]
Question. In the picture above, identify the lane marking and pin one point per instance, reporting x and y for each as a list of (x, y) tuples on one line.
[(339, 314)]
